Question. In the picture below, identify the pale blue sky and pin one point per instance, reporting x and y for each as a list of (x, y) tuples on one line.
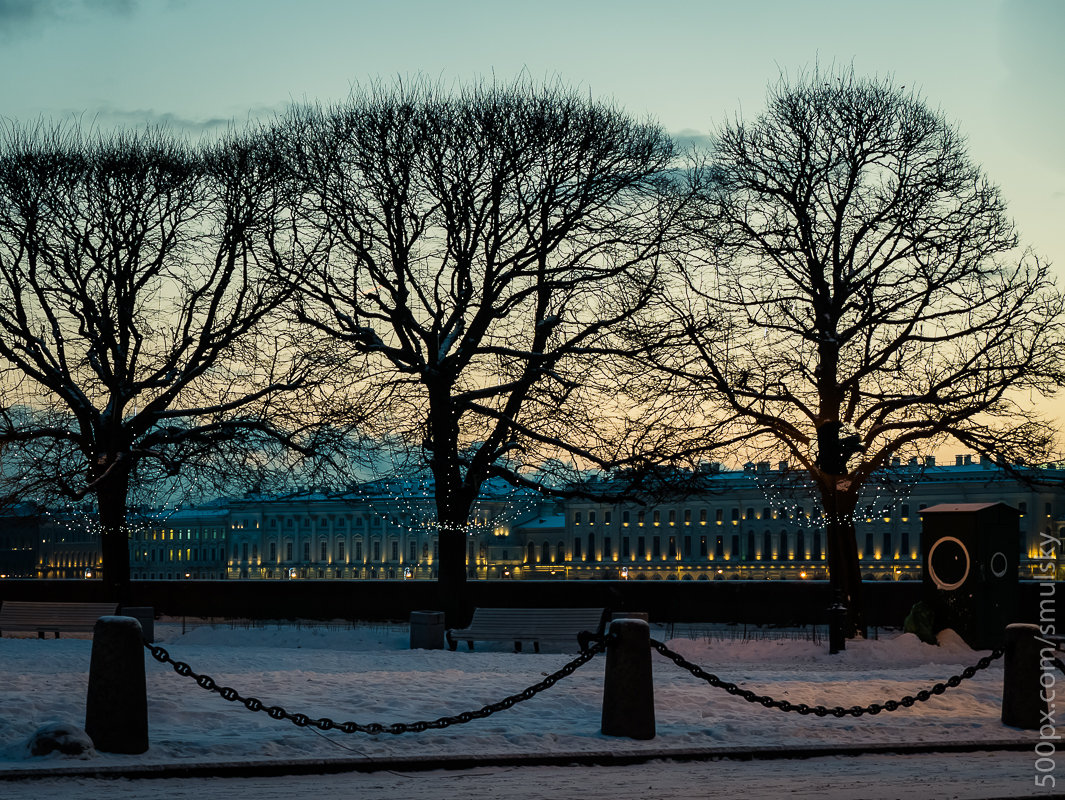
[(995, 67)]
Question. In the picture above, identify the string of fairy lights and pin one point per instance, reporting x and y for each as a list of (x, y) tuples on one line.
[(410, 504), (406, 498), (794, 495)]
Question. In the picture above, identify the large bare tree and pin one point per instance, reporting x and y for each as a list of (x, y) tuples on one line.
[(857, 296), (133, 303), (483, 243)]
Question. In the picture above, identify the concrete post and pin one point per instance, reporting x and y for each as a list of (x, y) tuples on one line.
[(145, 615), (628, 687), (116, 709), (427, 630), (1024, 696)]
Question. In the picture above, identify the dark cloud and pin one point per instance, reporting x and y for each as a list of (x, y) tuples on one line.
[(14, 13), (22, 17)]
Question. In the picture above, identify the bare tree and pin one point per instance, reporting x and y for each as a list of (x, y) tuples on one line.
[(858, 297), (483, 245), (133, 303)]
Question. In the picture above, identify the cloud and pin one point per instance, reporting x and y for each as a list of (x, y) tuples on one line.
[(30, 17), (15, 13), (691, 138), (109, 117)]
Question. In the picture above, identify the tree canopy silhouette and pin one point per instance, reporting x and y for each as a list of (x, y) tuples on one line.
[(483, 243), (133, 297), (855, 294)]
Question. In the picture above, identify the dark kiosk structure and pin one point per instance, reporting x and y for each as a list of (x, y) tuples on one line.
[(970, 553)]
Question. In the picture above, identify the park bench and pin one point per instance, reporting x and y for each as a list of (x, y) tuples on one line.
[(16, 615), (528, 625)]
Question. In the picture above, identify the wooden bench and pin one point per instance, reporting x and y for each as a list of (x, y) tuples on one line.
[(18, 615), (528, 625)]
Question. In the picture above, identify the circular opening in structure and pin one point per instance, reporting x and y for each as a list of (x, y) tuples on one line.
[(999, 564), (948, 563)]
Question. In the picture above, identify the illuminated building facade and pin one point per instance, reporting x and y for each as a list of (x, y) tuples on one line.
[(187, 543), (759, 523), (67, 547), (765, 523)]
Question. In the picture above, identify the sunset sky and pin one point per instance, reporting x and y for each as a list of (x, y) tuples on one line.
[(994, 67)]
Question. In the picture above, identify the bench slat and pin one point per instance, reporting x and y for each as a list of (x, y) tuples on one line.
[(18, 615), (528, 624)]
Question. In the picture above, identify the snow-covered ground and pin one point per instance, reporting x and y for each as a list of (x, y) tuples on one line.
[(369, 674)]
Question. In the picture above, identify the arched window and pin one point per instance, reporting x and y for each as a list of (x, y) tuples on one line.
[(545, 553), (783, 551), (800, 544), (591, 547), (531, 553), (749, 555), (560, 552), (767, 546)]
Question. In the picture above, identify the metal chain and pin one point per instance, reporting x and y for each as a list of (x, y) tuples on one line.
[(326, 724), (822, 711)]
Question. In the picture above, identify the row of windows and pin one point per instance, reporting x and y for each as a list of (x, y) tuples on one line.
[(177, 554), (169, 576), (246, 551), (341, 522), (778, 547), (670, 517), (331, 573), (359, 522), (798, 512), (74, 560), (178, 534)]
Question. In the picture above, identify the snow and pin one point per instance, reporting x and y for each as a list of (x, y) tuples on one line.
[(368, 674)]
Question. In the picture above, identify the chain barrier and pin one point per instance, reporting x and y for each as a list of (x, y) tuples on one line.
[(325, 724), (823, 711)]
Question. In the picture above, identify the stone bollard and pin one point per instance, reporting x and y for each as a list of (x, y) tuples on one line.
[(1024, 693), (116, 709), (145, 615), (427, 630), (628, 688)]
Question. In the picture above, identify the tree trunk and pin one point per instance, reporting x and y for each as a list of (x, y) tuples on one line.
[(844, 570), (454, 591), (454, 500), (112, 489)]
